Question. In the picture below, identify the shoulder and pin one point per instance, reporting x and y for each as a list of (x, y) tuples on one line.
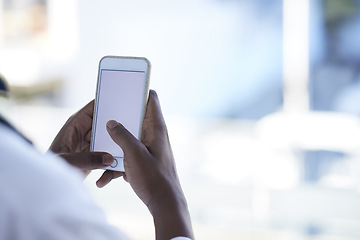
[(24, 169), (42, 196)]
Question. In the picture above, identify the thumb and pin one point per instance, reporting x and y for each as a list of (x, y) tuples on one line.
[(88, 160), (120, 135)]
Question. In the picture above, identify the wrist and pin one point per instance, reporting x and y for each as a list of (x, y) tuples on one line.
[(170, 213)]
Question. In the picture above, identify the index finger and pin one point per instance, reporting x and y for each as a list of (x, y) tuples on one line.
[(88, 109), (154, 131), (153, 110)]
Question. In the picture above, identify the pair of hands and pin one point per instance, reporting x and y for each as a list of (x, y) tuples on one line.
[(149, 164), (140, 158)]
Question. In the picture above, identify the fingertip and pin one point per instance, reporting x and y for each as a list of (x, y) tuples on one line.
[(103, 180), (107, 159), (107, 177), (153, 92), (91, 103), (111, 124), (100, 184), (89, 108)]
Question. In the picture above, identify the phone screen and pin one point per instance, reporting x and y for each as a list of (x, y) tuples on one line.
[(120, 97)]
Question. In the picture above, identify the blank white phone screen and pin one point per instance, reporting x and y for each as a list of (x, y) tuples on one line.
[(121, 98)]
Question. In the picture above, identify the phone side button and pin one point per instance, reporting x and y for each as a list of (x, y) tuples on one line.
[(114, 164)]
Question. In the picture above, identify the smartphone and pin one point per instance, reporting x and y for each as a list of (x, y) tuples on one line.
[(121, 94)]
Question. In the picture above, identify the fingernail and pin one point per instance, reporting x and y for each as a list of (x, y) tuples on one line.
[(100, 184), (107, 159), (111, 124)]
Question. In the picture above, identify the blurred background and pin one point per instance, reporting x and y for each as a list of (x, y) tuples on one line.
[(261, 98)]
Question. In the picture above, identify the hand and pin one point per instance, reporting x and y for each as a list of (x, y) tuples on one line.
[(73, 142), (150, 170)]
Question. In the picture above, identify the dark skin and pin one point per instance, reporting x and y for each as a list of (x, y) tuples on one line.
[(149, 164), (73, 144)]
